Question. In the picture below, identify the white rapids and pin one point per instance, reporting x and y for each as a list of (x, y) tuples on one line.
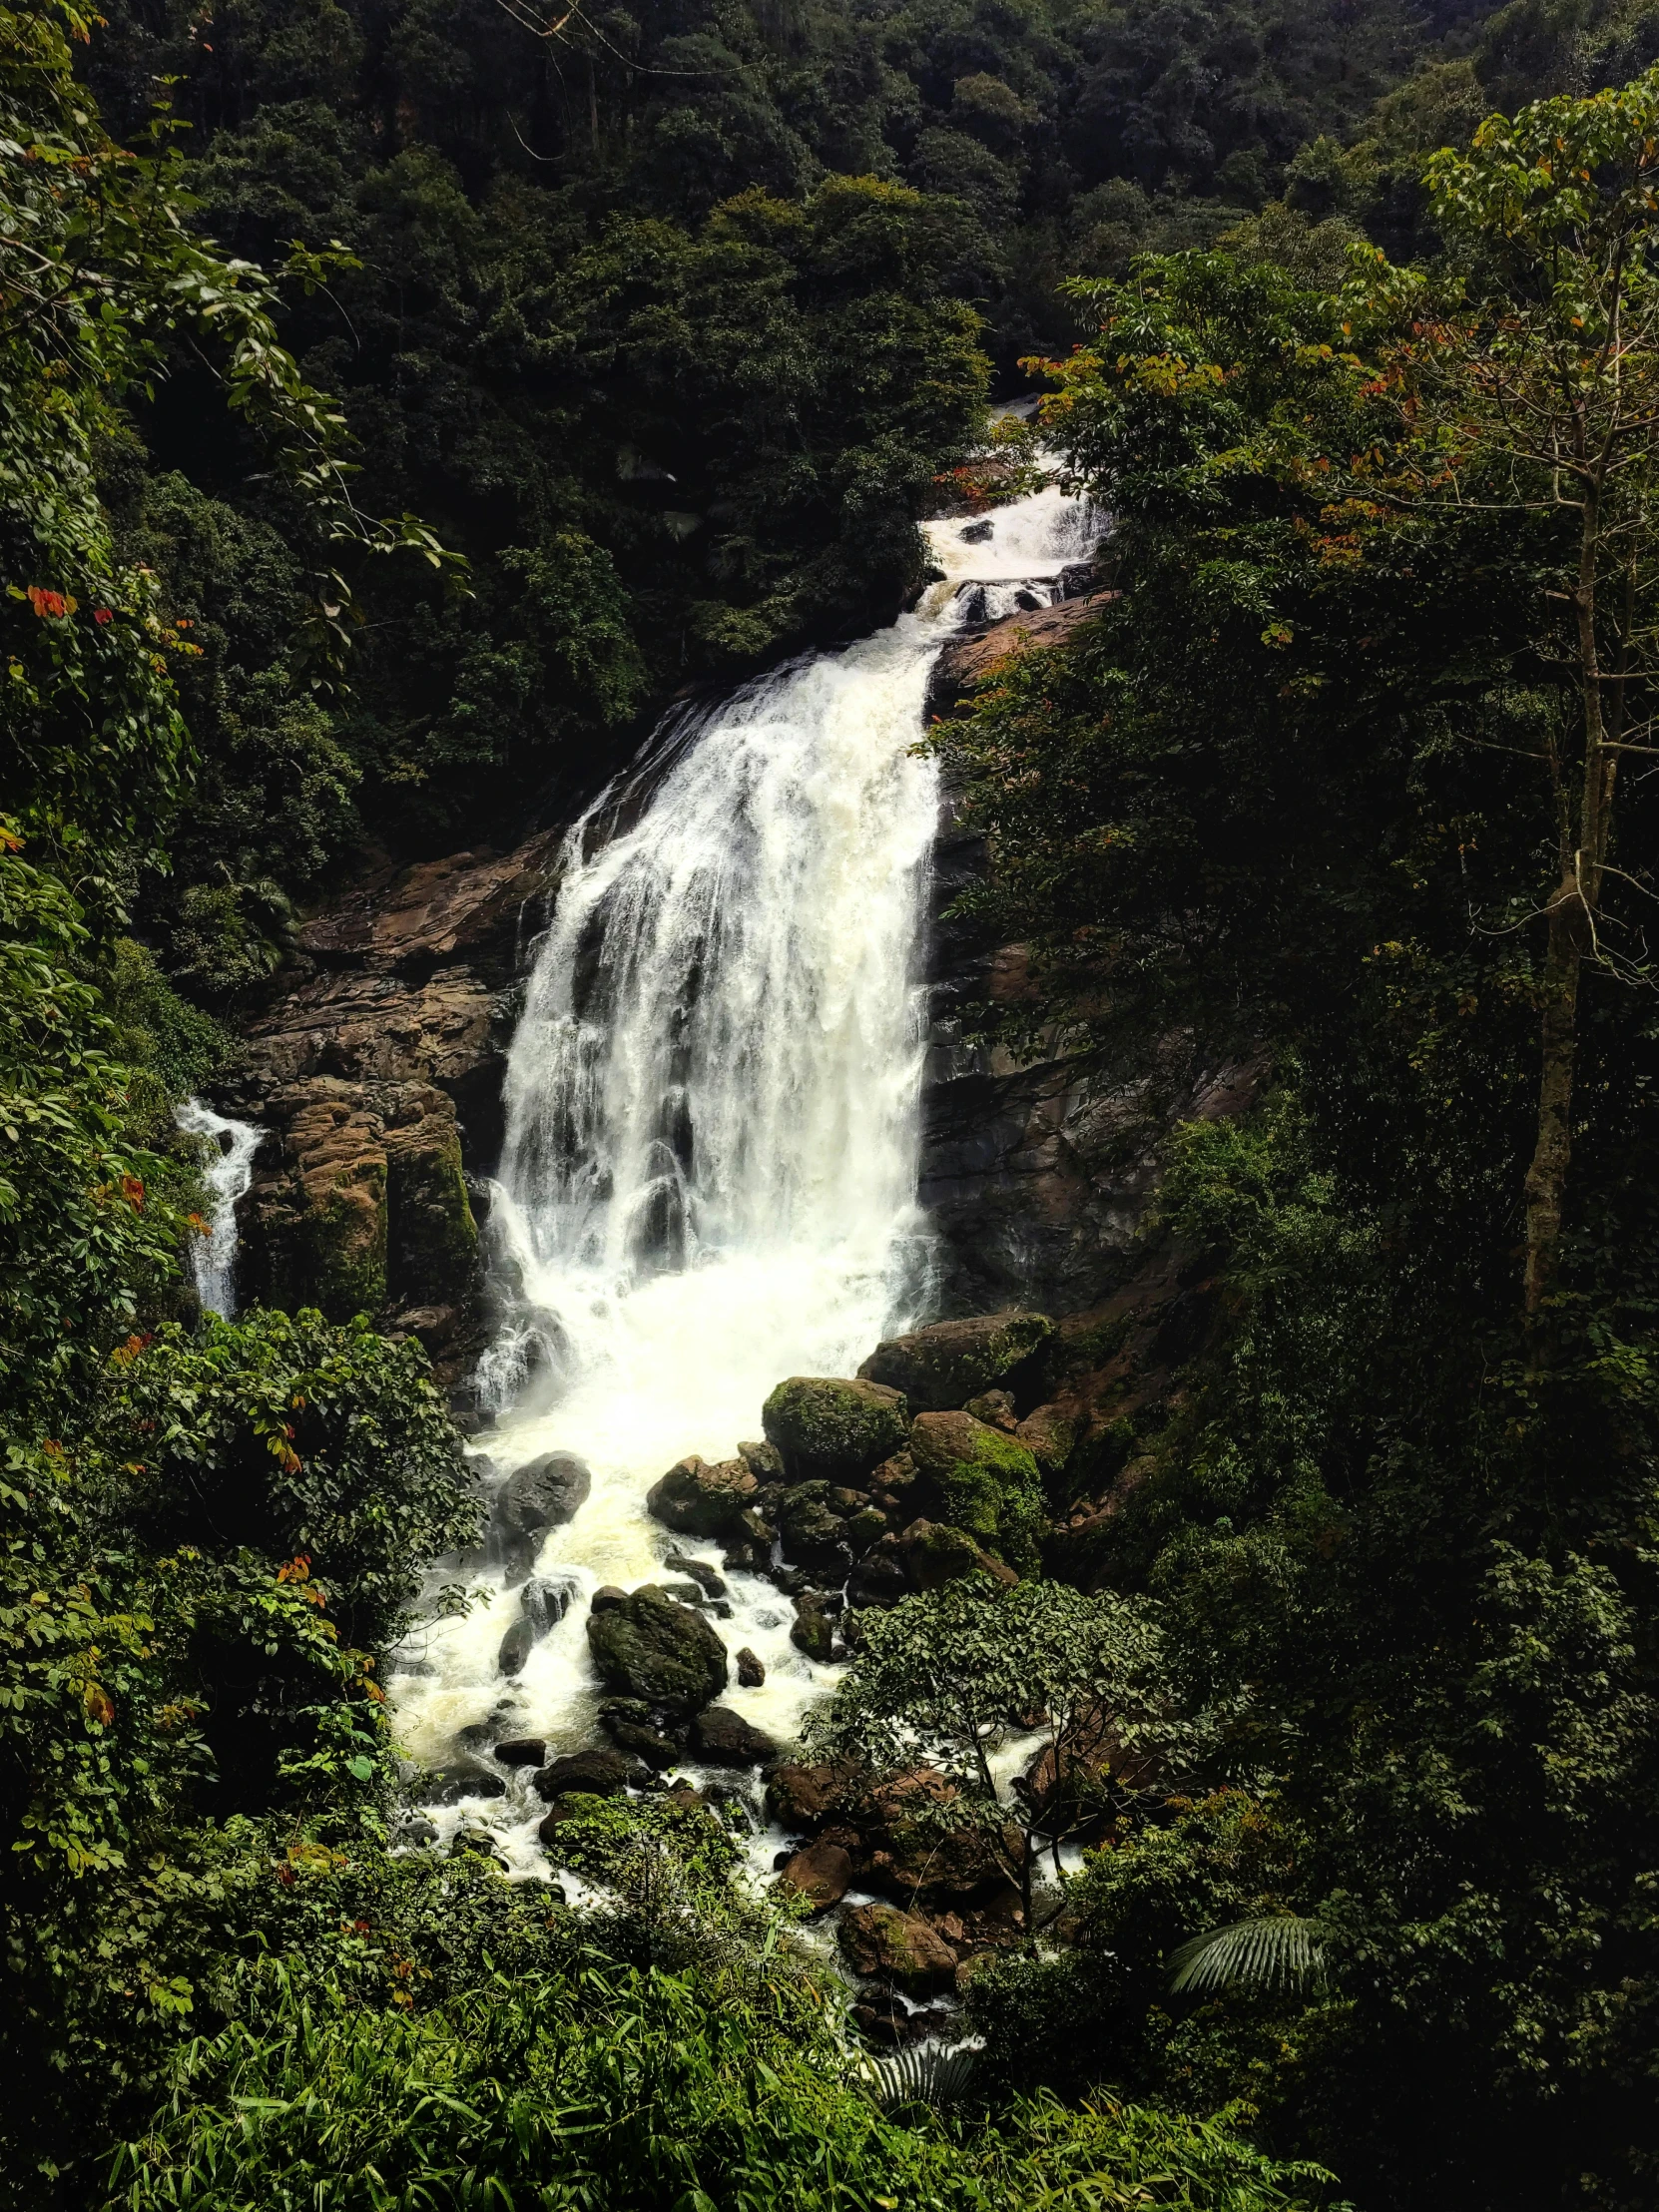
[(227, 1172), (710, 1170)]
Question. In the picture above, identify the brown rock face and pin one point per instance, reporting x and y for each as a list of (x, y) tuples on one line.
[(965, 663), (881, 1943), (377, 1069), (823, 1874)]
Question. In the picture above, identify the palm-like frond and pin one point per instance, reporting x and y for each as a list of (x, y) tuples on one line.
[(1281, 1952), (926, 2073)]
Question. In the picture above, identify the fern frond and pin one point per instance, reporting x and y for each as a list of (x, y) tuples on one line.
[(926, 2073), (1281, 1952)]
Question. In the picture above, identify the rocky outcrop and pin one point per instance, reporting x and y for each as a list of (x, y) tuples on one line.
[(943, 1367), (377, 1069), (1036, 1175), (987, 1483)]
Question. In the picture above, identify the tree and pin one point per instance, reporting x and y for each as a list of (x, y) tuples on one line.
[(1532, 388), (950, 1678)]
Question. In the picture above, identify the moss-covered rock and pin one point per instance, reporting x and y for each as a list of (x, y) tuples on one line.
[(944, 1366), (813, 1532), (654, 1649), (878, 1940), (696, 1498), (834, 1428), (987, 1484)]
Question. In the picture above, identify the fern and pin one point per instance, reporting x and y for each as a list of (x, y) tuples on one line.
[(926, 2073), (1281, 1952)]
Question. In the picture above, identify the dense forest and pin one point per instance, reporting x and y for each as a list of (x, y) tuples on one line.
[(402, 403)]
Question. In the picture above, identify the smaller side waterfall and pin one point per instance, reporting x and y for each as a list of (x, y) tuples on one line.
[(227, 1173)]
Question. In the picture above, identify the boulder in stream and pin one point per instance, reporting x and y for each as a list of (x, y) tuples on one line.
[(653, 1648), (600, 1772), (834, 1428), (543, 1494), (822, 1873), (880, 1941), (722, 1738), (696, 1499)]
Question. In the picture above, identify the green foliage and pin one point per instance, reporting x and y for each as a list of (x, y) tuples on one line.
[(81, 1236), (615, 2088), (288, 1436), (1278, 1952)]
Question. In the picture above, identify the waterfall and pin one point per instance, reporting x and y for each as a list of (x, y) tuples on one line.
[(711, 1123), (227, 1172)]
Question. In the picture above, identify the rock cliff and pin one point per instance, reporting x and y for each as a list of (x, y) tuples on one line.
[(377, 1069), (1037, 1174)]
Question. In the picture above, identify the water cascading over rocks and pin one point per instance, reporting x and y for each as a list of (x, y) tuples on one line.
[(710, 1169)]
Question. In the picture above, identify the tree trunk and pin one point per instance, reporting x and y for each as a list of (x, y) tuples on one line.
[(1546, 1178)]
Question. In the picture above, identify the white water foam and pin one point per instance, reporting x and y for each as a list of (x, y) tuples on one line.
[(710, 1171), (228, 1171)]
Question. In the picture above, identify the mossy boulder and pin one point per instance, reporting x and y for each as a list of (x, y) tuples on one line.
[(696, 1498), (940, 1367), (811, 1530), (653, 1648), (831, 1429), (880, 1941), (987, 1484)]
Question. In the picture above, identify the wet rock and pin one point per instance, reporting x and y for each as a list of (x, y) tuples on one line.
[(414, 1831), (1078, 579), (814, 1633), (978, 533), (1049, 1434), (764, 1461), (750, 1673), (608, 1598), (449, 1785), (880, 1941), (600, 1772), (544, 1495), (941, 1367), (882, 1577), (823, 1874), (881, 2025), (638, 1738), (987, 1483), (811, 1531), (833, 1429), (542, 1605), (935, 1553), (700, 1571), (521, 1751), (697, 1499), (722, 1738), (995, 1409), (801, 1797), (653, 1648), (746, 1546)]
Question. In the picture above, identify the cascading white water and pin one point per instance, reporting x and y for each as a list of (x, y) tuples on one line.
[(228, 1171), (708, 1178)]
